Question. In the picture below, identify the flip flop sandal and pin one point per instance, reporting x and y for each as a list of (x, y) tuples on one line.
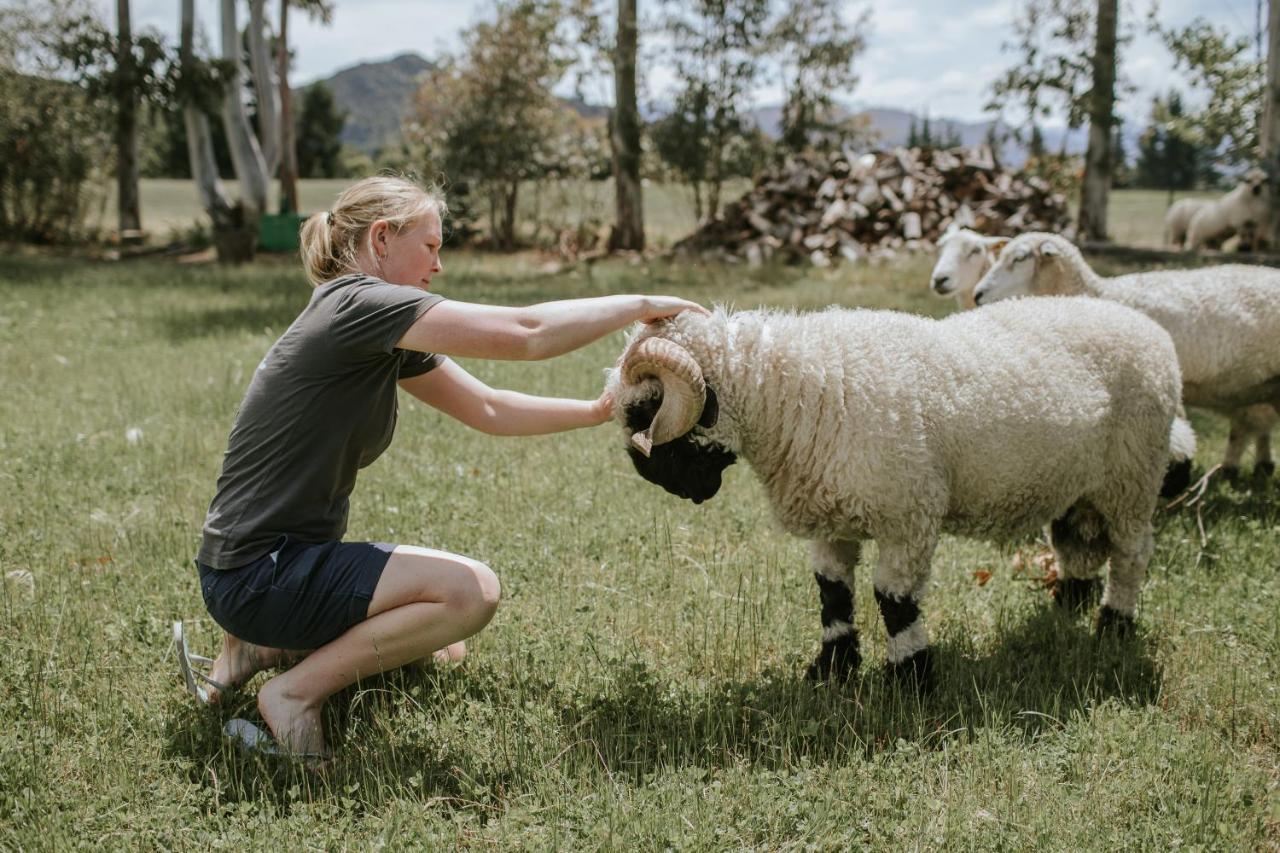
[(192, 677), (253, 740)]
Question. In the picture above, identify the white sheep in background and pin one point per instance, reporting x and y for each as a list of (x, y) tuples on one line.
[(1224, 321), (898, 428), (964, 256), (1241, 211), (1177, 219)]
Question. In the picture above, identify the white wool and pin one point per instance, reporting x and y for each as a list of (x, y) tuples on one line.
[(1224, 320), (1178, 218), (1241, 211), (888, 426)]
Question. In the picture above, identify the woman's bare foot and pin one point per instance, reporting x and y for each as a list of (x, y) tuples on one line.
[(294, 723), (451, 653), (239, 661)]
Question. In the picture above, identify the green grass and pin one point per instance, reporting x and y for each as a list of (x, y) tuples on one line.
[(641, 684)]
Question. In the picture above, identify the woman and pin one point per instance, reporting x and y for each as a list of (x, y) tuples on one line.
[(274, 572)]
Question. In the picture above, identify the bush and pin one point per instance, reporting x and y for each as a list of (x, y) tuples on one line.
[(54, 146)]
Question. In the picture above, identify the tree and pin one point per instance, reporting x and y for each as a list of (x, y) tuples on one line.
[(815, 51), (198, 87), (1271, 127), (624, 136), (1232, 83), (1167, 158), (717, 46), (125, 73), (318, 10), (319, 133), (1096, 188), (488, 117)]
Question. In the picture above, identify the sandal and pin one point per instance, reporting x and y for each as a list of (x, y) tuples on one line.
[(192, 677)]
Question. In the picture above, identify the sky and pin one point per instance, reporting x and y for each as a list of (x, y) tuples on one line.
[(938, 56)]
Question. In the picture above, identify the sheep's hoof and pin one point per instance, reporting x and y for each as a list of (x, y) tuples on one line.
[(837, 662), (1262, 471), (1113, 623), (915, 671), (1176, 479), (1077, 594), (1231, 473)]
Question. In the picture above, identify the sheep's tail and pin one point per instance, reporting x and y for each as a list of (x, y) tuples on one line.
[(1182, 440)]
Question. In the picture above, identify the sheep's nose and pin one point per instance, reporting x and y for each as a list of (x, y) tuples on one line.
[(977, 296), (940, 283)]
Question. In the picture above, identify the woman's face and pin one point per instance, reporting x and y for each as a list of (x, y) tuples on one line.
[(410, 256)]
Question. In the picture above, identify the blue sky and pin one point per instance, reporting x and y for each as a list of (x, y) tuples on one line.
[(935, 55)]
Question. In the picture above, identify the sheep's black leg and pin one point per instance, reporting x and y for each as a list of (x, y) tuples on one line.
[(1080, 543), (900, 579), (839, 657)]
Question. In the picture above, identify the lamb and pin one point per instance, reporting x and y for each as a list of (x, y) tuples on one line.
[(1224, 321), (897, 428), (1177, 219), (964, 256), (1241, 211)]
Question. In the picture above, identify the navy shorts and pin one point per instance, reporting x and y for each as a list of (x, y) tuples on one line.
[(300, 596)]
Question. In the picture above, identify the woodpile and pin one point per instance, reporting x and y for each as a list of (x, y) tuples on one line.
[(851, 207)]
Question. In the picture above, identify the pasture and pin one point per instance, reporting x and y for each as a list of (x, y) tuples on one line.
[(641, 686)]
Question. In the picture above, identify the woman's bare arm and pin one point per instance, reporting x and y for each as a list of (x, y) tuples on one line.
[(536, 332), (460, 395)]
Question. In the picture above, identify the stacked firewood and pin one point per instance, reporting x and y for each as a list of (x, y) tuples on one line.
[(849, 206)]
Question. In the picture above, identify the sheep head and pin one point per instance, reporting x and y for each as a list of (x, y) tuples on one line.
[(664, 400), (1035, 264), (963, 257)]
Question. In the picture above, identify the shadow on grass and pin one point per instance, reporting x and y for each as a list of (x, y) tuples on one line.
[(1039, 675)]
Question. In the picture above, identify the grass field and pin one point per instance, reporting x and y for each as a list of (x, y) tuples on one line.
[(640, 687), (1136, 216)]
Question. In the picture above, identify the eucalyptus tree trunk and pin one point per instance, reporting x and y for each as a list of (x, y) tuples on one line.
[(204, 168), (288, 147), (264, 84), (624, 136), (246, 153), (1096, 187), (130, 219), (1271, 124)]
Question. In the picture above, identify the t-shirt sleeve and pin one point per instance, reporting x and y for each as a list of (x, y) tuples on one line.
[(417, 363), (372, 316)]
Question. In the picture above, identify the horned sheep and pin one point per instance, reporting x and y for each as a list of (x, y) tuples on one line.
[(876, 425), (1224, 321)]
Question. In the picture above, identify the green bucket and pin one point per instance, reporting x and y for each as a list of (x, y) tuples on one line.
[(278, 232)]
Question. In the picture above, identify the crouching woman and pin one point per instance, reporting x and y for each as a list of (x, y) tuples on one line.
[(274, 570)]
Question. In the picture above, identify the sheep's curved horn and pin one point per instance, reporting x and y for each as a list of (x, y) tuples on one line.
[(684, 391)]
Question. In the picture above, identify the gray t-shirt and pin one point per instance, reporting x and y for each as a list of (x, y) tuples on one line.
[(320, 406)]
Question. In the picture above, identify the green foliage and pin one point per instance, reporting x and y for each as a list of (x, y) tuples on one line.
[(93, 54), (1169, 156), (1053, 53), (1232, 82), (815, 50), (319, 134), (488, 118), (923, 135)]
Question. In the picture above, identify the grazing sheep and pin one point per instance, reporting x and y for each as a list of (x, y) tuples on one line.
[(1224, 321), (1177, 219), (898, 428), (964, 256), (1241, 211)]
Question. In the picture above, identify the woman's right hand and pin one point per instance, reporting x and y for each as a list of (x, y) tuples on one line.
[(657, 308)]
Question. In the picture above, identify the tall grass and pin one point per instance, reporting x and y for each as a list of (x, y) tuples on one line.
[(641, 685)]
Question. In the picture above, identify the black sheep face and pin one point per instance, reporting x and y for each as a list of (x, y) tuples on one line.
[(687, 467)]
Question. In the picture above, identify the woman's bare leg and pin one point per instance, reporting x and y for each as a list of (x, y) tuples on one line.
[(240, 660), (426, 600)]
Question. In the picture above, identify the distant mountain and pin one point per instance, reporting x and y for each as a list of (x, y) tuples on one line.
[(378, 96)]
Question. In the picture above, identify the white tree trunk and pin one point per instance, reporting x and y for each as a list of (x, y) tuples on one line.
[(246, 154), (264, 83), (204, 168)]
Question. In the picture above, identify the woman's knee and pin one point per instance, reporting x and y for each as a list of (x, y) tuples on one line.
[(482, 592)]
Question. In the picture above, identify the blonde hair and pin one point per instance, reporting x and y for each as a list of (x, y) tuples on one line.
[(331, 240)]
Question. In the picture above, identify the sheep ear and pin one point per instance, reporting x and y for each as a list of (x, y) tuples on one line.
[(710, 410), (996, 245), (1048, 250)]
